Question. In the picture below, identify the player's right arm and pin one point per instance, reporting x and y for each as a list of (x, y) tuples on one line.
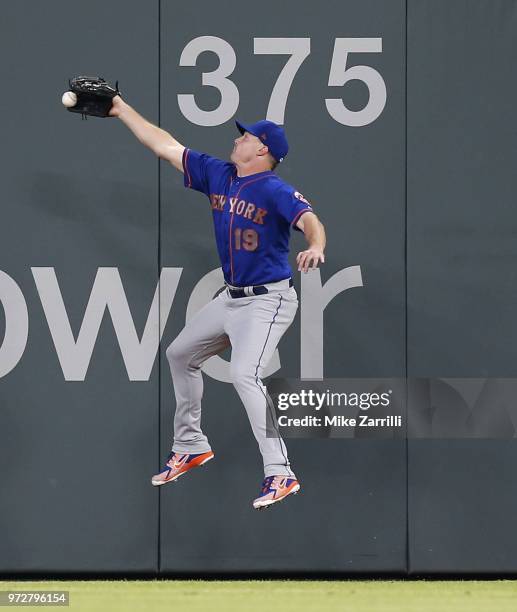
[(158, 140)]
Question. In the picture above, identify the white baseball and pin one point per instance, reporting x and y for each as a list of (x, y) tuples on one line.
[(69, 99)]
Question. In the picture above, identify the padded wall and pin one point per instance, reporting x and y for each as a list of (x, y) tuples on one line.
[(416, 193), (461, 272), (77, 197)]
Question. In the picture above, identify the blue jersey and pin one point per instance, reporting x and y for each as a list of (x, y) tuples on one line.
[(252, 218)]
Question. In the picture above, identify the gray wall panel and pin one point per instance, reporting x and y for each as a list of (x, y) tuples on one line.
[(355, 178), (461, 270), (77, 195)]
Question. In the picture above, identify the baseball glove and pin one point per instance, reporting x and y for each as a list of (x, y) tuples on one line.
[(94, 96)]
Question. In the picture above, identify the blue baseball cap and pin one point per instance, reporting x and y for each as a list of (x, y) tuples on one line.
[(270, 134)]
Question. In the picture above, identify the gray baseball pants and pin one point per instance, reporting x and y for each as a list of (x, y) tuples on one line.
[(253, 326)]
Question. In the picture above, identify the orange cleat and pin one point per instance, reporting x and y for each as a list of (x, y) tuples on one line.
[(275, 489), (178, 464)]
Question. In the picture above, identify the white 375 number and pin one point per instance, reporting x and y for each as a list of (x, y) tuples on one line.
[(298, 49)]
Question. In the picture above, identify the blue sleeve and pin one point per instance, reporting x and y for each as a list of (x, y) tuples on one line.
[(291, 205), (199, 170)]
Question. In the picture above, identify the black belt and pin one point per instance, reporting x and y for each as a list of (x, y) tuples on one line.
[(257, 290)]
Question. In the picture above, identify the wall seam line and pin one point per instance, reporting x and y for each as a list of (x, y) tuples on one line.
[(159, 258), (406, 275)]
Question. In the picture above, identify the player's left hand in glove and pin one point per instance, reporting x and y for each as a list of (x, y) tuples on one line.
[(94, 96)]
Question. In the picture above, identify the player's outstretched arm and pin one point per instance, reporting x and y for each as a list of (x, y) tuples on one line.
[(158, 140), (314, 232)]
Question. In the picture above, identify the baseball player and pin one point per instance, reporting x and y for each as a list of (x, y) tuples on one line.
[(253, 211)]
